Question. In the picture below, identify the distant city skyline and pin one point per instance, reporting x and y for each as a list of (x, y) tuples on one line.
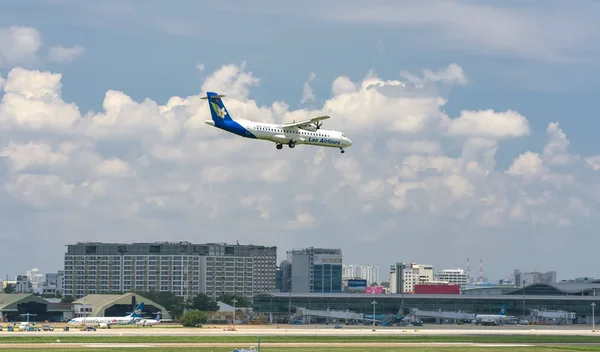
[(383, 274)]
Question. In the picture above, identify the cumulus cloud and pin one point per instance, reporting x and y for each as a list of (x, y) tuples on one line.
[(142, 171), (19, 45), (307, 92), (63, 54)]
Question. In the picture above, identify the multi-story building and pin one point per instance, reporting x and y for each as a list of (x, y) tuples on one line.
[(312, 270), (180, 267), (53, 284), (365, 272), (453, 276), (404, 276), (534, 277), (23, 284)]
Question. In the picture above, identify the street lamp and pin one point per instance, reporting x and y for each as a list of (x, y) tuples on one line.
[(524, 282), (234, 302), (374, 303), (402, 302), (593, 318)]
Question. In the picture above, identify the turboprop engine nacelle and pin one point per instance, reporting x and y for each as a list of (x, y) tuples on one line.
[(311, 127)]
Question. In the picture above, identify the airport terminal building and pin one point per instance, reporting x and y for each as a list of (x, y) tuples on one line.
[(520, 302)]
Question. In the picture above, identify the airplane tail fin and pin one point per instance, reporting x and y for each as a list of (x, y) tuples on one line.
[(218, 111), (158, 316), (503, 310), (137, 313)]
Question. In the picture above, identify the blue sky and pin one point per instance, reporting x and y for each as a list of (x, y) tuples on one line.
[(537, 58)]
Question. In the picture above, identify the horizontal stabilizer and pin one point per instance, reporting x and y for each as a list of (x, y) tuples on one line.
[(214, 96)]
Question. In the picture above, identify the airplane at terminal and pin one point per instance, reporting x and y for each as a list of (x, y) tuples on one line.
[(106, 322), (492, 319), (148, 322), (304, 132)]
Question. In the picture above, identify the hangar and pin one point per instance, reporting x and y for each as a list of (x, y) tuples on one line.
[(13, 305), (120, 305)]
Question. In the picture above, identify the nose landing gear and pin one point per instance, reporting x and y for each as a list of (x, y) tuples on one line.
[(342, 150), (279, 146)]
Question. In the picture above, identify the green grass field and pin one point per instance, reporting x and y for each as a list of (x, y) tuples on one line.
[(335, 349), (6, 338)]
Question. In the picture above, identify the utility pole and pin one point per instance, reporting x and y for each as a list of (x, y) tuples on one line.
[(234, 302), (524, 282), (374, 303), (593, 317), (402, 286), (290, 305)]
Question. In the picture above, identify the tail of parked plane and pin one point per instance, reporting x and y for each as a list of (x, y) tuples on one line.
[(503, 310), (158, 316), (217, 108), (137, 313)]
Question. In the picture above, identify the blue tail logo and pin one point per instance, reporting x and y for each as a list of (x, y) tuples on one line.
[(218, 111), (137, 313), (503, 310)]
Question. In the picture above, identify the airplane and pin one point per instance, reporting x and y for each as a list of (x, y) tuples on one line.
[(492, 319), (307, 132), (106, 322), (149, 322)]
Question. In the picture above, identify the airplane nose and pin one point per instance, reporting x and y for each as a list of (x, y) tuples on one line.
[(349, 141)]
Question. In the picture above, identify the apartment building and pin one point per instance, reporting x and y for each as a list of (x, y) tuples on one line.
[(183, 268)]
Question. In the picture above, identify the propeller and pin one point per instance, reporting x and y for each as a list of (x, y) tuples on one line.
[(318, 124)]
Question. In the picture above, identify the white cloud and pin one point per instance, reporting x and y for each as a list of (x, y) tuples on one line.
[(527, 164), (343, 85), (63, 54), (453, 73), (231, 79), (488, 124), (594, 162), (537, 32), (307, 92), (143, 171), (19, 45)]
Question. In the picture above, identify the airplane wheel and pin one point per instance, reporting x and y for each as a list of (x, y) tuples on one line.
[(292, 144), (279, 146), (342, 151)]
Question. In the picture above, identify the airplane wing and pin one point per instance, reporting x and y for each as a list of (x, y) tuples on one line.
[(305, 122)]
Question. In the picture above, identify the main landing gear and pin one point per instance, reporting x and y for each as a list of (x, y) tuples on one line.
[(291, 144)]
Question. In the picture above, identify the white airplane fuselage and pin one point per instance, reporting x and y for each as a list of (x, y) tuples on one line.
[(147, 322), (101, 320), (276, 134)]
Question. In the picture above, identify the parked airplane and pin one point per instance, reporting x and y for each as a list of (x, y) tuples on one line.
[(304, 132), (492, 319), (106, 322), (148, 322)]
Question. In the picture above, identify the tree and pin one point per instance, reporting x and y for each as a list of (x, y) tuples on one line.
[(385, 284), (241, 301), (67, 299), (10, 288), (194, 318), (204, 303)]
